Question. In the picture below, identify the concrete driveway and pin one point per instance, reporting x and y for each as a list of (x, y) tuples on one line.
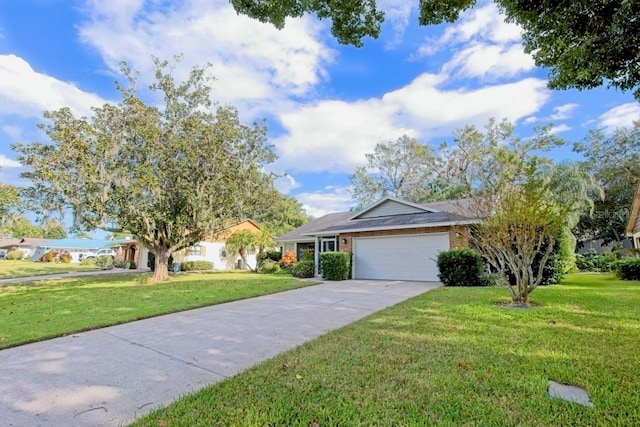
[(110, 376)]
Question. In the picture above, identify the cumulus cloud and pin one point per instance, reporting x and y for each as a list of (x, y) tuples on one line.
[(487, 47), (397, 14), (286, 183), (256, 65), (328, 200), (6, 162), (334, 135), (26, 92), (620, 116)]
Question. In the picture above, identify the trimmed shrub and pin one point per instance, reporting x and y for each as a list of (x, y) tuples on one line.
[(88, 261), (105, 262), (628, 269), (302, 269), (269, 266), (50, 256), (15, 255), (64, 257), (196, 266), (268, 256), (461, 267), (335, 265)]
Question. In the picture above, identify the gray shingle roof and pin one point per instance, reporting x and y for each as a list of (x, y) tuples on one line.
[(447, 211), (326, 221), (400, 221)]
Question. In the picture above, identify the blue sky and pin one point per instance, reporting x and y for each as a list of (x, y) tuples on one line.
[(326, 104)]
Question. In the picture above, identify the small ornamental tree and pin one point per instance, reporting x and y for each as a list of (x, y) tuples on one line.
[(240, 243)]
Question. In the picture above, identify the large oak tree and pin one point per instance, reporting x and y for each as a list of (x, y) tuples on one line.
[(171, 174), (583, 43)]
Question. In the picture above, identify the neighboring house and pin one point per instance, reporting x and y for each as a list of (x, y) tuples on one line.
[(214, 250), (633, 223), (392, 239), (78, 248), (28, 245)]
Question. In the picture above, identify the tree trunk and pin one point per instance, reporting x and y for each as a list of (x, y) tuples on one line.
[(521, 296), (243, 256), (161, 271)]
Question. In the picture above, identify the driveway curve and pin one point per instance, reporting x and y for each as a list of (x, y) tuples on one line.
[(110, 376)]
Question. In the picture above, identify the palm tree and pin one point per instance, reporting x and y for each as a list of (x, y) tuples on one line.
[(239, 243)]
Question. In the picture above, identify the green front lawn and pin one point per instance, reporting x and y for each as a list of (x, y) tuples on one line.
[(48, 308), (11, 268), (448, 357)]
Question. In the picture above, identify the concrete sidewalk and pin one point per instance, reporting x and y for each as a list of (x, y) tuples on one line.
[(110, 376), (13, 280)]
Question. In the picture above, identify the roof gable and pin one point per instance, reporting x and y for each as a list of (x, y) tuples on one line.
[(390, 206)]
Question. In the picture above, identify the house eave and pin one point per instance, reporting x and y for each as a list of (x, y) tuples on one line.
[(394, 227), (393, 199)]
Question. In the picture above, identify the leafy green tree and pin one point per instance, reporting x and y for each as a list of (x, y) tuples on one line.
[(53, 229), (19, 226), (615, 162), (9, 202), (282, 214), (583, 43), (169, 175), (240, 243), (403, 169), (528, 203)]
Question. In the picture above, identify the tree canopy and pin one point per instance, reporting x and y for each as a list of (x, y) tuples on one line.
[(169, 175), (582, 43), (615, 162)]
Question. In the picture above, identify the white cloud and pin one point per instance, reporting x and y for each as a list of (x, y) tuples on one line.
[(620, 116), (6, 162), (329, 200), (286, 183), (14, 132), (560, 128), (397, 14), (563, 112), (489, 60), (486, 46), (256, 65), (334, 135), (28, 93)]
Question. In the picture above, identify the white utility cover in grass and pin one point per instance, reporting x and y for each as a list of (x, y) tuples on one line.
[(409, 257)]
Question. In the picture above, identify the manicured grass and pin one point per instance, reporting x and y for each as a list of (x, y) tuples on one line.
[(11, 268), (48, 308), (449, 357)]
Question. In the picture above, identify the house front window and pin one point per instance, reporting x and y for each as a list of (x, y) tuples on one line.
[(328, 244), (195, 250)]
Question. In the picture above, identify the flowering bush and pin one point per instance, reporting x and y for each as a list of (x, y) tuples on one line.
[(288, 259)]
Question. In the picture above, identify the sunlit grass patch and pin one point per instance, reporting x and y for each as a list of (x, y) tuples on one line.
[(448, 357), (43, 309)]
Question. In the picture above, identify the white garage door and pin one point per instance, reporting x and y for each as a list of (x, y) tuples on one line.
[(411, 257)]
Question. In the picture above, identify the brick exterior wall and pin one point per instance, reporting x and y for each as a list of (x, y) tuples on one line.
[(458, 235)]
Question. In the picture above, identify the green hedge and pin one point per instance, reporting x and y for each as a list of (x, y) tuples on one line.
[(335, 265), (105, 262), (628, 268), (196, 266), (461, 267), (303, 269), (16, 254), (269, 267)]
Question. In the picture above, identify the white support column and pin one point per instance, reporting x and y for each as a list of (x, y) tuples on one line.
[(316, 257)]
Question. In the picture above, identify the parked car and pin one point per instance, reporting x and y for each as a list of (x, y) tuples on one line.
[(96, 254)]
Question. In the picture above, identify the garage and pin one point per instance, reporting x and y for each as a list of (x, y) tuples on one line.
[(406, 257)]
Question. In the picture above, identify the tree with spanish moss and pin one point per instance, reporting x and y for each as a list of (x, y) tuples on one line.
[(170, 175)]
